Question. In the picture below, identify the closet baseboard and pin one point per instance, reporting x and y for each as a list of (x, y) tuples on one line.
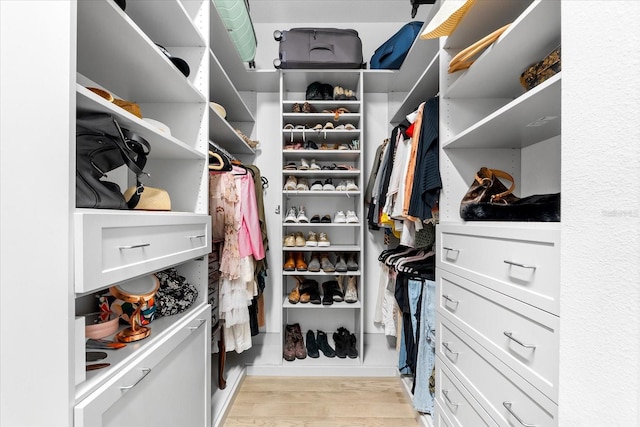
[(221, 400)]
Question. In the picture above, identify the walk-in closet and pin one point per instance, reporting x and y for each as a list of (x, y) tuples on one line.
[(183, 210)]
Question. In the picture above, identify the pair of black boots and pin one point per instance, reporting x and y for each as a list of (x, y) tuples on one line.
[(317, 344), (345, 343)]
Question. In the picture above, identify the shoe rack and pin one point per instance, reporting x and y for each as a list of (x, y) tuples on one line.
[(323, 147)]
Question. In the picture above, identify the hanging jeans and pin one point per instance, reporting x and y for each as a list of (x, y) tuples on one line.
[(407, 356), (422, 397)]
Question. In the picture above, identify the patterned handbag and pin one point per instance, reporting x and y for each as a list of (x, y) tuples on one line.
[(175, 294)]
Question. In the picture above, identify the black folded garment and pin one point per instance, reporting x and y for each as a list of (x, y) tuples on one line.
[(536, 208)]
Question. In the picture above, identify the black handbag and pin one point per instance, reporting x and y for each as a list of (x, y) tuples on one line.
[(102, 146)]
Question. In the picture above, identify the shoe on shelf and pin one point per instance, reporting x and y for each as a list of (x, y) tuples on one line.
[(299, 239), (312, 345), (323, 240), (301, 265), (292, 215), (351, 185), (295, 108), (301, 351), (351, 295), (302, 185), (352, 349), (342, 186), (312, 239), (352, 218), (352, 263), (316, 218), (304, 165), (302, 218), (328, 185), (323, 344), (327, 293), (340, 218), (294, 295), (338, 294), (326, 264), (314, 166), (327, 91), (314, 263), (289, 240), (311, 288), (290, 263), (316, 186), (289, 352), (308, 108), (341, 265), (326, 219), (340, 341), (291, 183)]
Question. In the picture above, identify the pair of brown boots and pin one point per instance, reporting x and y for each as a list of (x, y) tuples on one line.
[(294, 347), (295, 261), (306, 290)]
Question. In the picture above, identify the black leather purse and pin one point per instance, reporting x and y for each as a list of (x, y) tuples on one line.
[(102, 146)]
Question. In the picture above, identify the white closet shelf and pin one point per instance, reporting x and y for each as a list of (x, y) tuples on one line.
[(426, 87), (332, 248), (223, 92), (329, 104), (153, 19), (319, 224), (150, 76), (320, 273), (324, 155), (222, 133), (321, 173), (528, 40), (335, 306), (320, 193), (528, 119), (162, 146)]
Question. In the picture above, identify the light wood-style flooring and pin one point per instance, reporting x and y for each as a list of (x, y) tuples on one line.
[(321, 401)]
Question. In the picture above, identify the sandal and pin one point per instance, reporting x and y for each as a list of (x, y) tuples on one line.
[(291, 166), (349, 126), (317, 127), (288, 126), (311, 145), (328, 125)]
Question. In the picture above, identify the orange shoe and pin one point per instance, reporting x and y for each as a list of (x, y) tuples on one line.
[(294, 295), (301, 265), (290, 263)]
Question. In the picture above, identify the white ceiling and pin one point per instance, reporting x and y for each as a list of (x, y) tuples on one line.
[(347, 11)]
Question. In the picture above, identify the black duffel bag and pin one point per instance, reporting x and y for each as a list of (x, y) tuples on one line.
[(102, 146)]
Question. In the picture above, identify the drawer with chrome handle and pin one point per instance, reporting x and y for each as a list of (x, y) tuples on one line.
[(523, 337), (492, 383), (458, 405), (521, 261), (114, 246)]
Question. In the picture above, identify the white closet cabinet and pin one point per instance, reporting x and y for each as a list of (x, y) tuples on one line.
[(339, 143), (498, 282), (163, 379)]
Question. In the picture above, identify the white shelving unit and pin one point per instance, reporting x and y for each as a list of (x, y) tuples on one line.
[(344, 238), (498, 304)]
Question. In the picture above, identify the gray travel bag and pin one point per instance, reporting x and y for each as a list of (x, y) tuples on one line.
[(324, 48)]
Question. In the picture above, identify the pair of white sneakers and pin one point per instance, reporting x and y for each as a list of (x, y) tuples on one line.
[(347, 185), (296, 215), (349, 218)]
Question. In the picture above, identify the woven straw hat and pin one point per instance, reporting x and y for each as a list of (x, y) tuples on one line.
[(151, 199), (447, 18)]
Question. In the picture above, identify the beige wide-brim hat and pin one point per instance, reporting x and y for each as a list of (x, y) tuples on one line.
[(447, 18), (219, 109)]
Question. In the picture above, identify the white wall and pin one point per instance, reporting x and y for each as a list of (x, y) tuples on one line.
[(600, 245)]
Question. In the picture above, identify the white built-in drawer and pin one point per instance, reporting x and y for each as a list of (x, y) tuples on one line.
[(522, 336), (111, 246), (440, 418), (506, 396), (520, 260), (456, 404)]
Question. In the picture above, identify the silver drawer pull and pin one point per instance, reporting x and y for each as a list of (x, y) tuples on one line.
[(517, 264), (451, 300), (193, 328), (145, 372), (141, 245), (199, 236), (446, 346), (510, 336), (450, 249), (508, 406), (445, 393)]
